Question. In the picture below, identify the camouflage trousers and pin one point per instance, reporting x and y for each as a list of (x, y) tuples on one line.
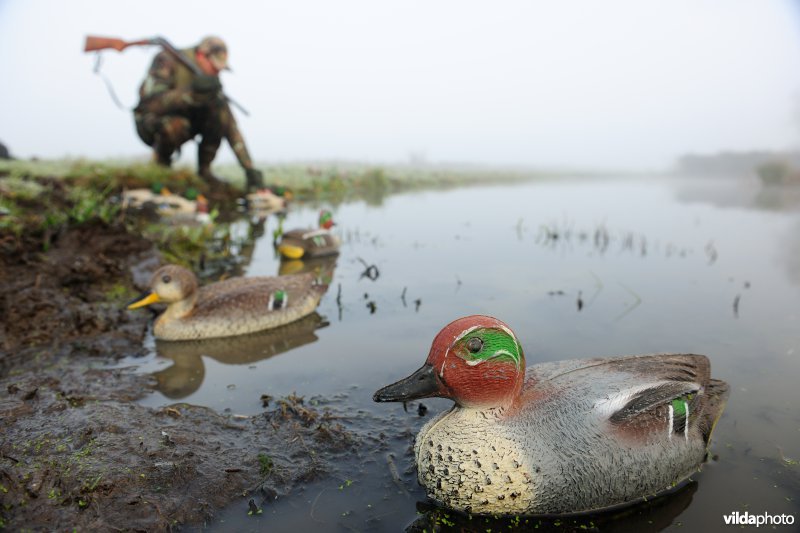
[(169, 120)]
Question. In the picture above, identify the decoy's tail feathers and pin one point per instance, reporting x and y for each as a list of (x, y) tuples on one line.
[(717, 393)]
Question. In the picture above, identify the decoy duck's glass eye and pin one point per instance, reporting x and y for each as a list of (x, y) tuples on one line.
[(474, 345), (166, 278)]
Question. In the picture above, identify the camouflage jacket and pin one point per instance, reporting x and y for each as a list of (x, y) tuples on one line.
[(167, 90)]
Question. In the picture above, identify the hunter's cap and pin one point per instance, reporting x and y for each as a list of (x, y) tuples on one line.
[(216, 51)]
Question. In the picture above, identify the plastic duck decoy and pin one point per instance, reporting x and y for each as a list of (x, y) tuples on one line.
[(555, 438), (265, 200), (165, 203), (303, 243), (234, 306)]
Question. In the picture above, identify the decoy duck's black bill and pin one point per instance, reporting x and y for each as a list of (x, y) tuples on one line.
[(421, 384)]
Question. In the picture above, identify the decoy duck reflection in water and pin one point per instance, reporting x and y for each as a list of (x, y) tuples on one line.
[(187, 372)]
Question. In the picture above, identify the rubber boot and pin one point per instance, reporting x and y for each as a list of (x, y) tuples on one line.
[(206, 152), (162, 151)]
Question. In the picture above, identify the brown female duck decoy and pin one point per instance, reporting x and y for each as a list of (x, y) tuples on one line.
[(231, 307)]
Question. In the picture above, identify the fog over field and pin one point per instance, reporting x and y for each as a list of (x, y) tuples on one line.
[(619, 84)]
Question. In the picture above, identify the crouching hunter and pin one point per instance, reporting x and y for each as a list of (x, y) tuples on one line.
[(177, 105)]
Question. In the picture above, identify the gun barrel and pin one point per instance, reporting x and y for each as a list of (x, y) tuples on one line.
[(94, 43)]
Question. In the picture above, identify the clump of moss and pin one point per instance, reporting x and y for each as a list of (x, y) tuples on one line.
[(17, 187), (265, 464)]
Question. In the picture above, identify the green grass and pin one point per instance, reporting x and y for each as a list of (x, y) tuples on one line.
[(102, 175), (334, 181)]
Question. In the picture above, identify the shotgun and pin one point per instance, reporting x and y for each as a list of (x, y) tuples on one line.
[(95, 44)]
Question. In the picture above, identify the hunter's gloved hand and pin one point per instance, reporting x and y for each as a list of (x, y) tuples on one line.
[(255, 179), (206, 84)]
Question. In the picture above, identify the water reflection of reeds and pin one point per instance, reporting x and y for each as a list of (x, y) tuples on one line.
[(603, 241)]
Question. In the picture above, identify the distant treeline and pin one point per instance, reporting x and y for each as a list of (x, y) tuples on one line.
[(772, 167), (735, 164)]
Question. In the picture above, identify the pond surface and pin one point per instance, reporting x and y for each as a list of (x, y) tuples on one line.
[(578, 268)]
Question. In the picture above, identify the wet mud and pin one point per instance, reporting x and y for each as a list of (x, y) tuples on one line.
[(76, 450)]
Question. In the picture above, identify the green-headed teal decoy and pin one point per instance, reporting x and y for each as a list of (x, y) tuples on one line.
[(555, 438), (303, 243)]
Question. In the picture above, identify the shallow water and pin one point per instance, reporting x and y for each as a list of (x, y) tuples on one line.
[(578, 268)]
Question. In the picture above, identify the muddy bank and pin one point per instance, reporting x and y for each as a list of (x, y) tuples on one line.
[(76, 450), (71, 291)]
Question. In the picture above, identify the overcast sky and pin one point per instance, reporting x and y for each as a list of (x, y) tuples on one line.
[(617, 84)]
